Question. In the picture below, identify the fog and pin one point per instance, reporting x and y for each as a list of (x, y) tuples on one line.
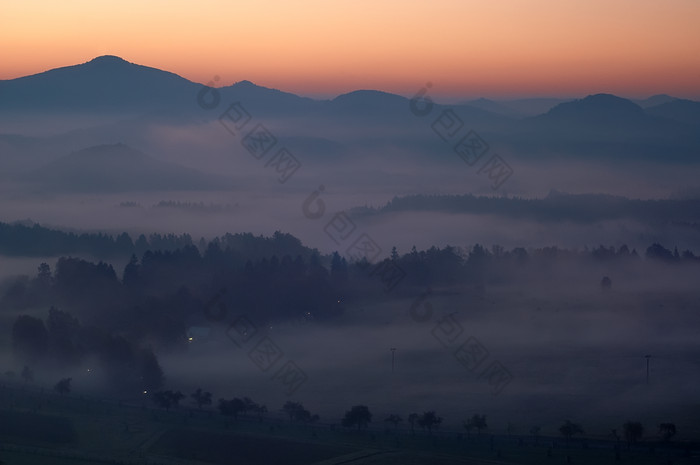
[(573, 352), (573, 349)]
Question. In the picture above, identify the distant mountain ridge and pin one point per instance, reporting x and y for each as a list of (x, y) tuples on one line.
[(110, 82), (600, 126)]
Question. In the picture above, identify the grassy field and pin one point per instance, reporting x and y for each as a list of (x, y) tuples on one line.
[(45, 428)]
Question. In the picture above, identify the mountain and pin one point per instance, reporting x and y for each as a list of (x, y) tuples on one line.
[(118, 168), (599, 109), (104, 83), (264, 101), (604, 127), (141, 101), (687, 111), (655, 100)]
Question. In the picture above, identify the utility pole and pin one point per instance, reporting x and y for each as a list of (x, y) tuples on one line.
[(647, 357), (393, 350)]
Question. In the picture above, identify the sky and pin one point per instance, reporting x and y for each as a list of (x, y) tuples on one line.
[(501, 48)]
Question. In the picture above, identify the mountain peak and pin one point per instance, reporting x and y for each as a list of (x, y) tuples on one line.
[(598, 108), (108, 59)]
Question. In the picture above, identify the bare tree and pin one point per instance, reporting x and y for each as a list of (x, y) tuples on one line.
[(633, 432), (413, 419), (477, 422), (667, 430), (394, 419), (201, 398), (429, 420), (358, 415), (569, 429), (63, 386)]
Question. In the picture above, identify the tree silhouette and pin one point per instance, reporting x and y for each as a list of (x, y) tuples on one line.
[(429, 420), (43, 277), (64, 337), (130, 276), (201, 398), (394, 419), (358, 415), (63, 386), (606, 283), (477, 422), (27, 374), (261, 410), (569, 429), (633, 432), (30, 339), (231, 408), (167, 399), (297, 412), (413, 419), (149, 370), (667, 430), (293, 409)]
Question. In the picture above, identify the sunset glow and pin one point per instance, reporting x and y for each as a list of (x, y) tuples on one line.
[(313, 47)]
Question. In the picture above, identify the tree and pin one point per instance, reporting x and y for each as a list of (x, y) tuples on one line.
[(477, 422), (231, 408), (633, 432), (63, 386), (167, 399), (130, 276), (659, 252), (413, 419), (30, 339), (569, 429), (339, 268), (667, 430), (293, 409), (394, 419), (296, 412), (64, 334), (606, 283), (43, 277), (201, 398), (429, 420), (27, 374), (469, 426), (149, 370), (394, 254), (358, 415), (261, 410)]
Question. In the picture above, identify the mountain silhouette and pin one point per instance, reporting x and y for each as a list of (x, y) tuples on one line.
[(599, 109), (104, 83), (686, 111), (601, 125)]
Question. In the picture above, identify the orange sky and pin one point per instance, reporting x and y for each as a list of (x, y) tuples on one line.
[(327, 47)]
